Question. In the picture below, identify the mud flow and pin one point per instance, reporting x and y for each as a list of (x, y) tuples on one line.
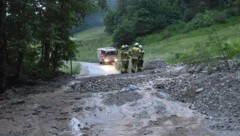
[(94, 69), (135, 113)]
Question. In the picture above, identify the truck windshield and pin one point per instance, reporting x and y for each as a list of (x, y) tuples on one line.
[(111, 53)]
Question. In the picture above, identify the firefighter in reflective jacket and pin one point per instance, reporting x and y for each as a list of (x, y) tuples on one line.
[(135, 54), (124, 58), (141, 56)]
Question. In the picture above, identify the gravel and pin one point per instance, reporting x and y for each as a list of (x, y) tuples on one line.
[(215, 94), (120, 98)]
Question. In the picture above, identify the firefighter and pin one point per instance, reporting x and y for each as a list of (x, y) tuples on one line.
[(141, 56), (124, 58), (135, 54)]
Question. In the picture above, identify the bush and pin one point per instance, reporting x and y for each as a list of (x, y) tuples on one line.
[(232, 49), (216, 50), (124, 34), (200, 20), (206, 19), (172, 29), (109, 21), (200, 53), (219, 16), (234, 8)]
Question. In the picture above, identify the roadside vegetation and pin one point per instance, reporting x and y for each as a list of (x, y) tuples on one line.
[(178, 31), (89, 41), (189, 46), (35, 37), (74, 69), (178, 46), (139, 18)]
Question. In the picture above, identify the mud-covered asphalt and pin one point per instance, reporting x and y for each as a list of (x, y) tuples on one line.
[(163, 100), (95, 69)]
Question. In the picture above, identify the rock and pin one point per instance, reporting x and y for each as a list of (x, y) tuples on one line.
[(199, 90), (77, 109), (133, 88), (160, 86), (18, 102)]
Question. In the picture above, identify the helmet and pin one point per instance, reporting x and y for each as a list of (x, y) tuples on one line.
[(140, 46), (136, 44), (123, 46), (126, 46)]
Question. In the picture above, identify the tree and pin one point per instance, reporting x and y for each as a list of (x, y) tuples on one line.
[(20, 34), (142, 16), (124, 34), (35, 36), (3, 46)]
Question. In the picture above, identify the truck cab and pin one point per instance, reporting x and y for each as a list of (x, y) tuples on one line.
[(107, 55)]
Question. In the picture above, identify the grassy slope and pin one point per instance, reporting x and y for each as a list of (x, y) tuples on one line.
[(165, 49), (154, 47), (89, 41)]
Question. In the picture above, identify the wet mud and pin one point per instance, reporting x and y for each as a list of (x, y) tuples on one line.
[(163, 100)]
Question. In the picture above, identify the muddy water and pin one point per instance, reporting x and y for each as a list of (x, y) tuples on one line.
[(135, 113), (94, 69)]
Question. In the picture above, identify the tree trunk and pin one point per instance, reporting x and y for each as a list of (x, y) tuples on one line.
[(3, 47), (19, 66), (55, 58), (46, 59)]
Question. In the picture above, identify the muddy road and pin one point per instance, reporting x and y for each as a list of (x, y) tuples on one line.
[(95, 69), (134, 113), (101, 102)]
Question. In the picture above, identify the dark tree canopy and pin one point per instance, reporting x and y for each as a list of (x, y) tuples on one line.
[(134, 18), (35, 36)]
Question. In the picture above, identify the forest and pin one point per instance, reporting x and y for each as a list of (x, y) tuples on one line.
[(35, 34), (137, 18), (35, 37)]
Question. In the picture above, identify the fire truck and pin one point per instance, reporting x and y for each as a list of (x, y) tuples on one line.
[(107, 55)]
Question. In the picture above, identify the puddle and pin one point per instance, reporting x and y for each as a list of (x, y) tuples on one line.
[(94, 69), (152, 114)]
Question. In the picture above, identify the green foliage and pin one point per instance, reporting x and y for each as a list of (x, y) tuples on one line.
[(157, 46), (234, 7), (124, 34), (232, 49), (148, 17), (201, 20), (160, 46), (142, 16), (66, 68), (35, 36), (89, 41), (216, 47), (208, 18), (110, 21)]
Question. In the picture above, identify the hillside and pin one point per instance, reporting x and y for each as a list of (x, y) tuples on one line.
[(88, 41), (155, 46)]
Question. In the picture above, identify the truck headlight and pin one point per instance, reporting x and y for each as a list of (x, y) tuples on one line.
[(106, 60)]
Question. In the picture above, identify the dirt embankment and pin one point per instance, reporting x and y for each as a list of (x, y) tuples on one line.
[(214, 94), (48, 109)]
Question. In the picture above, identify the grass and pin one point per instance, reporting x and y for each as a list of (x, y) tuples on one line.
[(88, 42), (75, 68), (156, 47), (183, 42)]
